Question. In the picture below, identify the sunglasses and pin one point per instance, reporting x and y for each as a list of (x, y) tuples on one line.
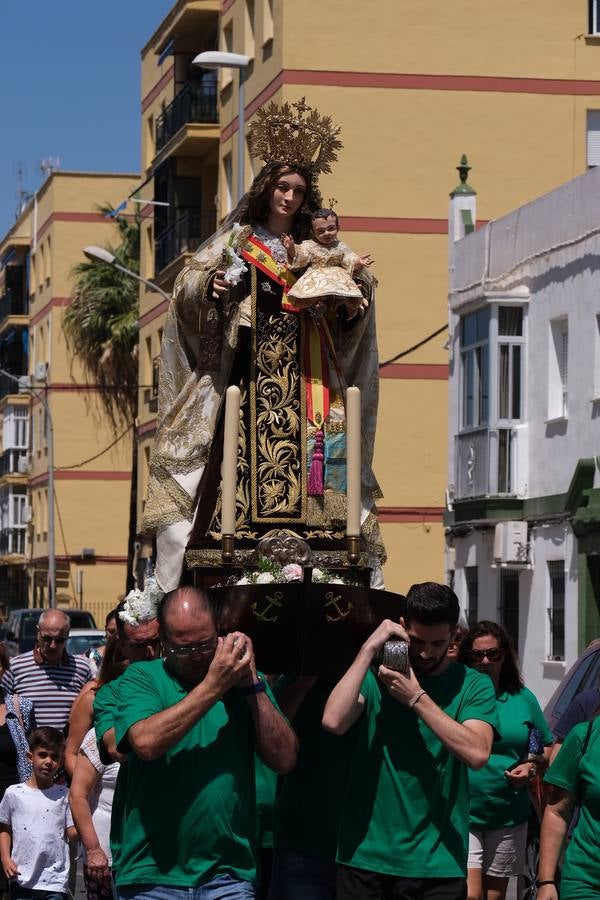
[(493, 654), (186, 651), (48, 639)]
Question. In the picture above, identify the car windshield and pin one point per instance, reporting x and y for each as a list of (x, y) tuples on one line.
[(29, 626), (83, 643)]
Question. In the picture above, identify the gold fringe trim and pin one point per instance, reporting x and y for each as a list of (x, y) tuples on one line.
[(167, 502)]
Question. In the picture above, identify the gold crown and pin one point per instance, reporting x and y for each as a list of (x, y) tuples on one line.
[(294, 133)]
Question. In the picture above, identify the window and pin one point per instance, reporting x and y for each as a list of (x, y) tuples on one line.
[(268, 30), (249, 43), (472, 595), (594, 16), (227, 45), (15, 428), (558, 368), (593, 138), (228, 171), (556, 610), (150, 141), (475, 368), (13, 528), (509, 604), (48, 272)]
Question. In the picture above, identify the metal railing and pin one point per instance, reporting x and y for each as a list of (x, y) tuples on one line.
[(13, 541), (12, 304), (185, 235), (194, 103), (9, 462), (473, 464)]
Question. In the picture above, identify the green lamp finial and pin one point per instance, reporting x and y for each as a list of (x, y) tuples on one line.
[(463, 169)]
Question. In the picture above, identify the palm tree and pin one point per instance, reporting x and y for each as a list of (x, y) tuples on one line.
[(101, 329)]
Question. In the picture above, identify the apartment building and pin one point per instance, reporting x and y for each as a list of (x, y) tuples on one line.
[(92, 487), (413, 85)]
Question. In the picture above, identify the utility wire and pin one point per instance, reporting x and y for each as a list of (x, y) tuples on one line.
[(101, 453), (414, 347)]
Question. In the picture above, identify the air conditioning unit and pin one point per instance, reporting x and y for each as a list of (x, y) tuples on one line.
[(40, 373), (87, 553), (26, 515), (23, 465), (510, 544)]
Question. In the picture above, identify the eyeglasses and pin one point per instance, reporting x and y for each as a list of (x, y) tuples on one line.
[(49, 639), (185, 651), (493, 654)]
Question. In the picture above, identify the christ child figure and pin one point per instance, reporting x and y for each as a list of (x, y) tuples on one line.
[(331, 265)]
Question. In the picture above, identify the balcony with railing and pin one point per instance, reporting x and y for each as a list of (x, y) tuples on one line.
[(185, 235), (487, 461), (13, 359), (195, 103), (13, 541), (13, 462)]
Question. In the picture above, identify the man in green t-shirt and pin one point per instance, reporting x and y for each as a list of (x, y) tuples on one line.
[(190, 723), (405, 817)]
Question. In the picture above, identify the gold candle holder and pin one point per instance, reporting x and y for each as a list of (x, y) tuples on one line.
[(227, 545), (353, 543)]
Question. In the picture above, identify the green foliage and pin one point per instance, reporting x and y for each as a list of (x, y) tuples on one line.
[(101, 323)]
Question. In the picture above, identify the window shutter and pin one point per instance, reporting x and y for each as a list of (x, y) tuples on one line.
[(593, 137)]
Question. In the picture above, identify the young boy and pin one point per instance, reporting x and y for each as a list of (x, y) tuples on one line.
[(35, 818)]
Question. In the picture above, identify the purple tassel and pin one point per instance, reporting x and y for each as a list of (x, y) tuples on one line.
[(315, 476)]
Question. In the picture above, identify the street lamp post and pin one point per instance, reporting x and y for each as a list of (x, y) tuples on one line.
[(217, 59), (100, 254)]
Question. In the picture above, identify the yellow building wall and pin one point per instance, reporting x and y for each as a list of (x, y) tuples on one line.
[(91, 500)]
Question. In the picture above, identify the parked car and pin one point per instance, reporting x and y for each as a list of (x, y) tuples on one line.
[(83, 639), (22, 627)]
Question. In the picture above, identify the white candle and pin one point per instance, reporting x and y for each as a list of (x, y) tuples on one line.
[(353, 493), (229, 468)]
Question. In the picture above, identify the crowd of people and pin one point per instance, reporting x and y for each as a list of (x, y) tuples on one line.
[(182, 770)]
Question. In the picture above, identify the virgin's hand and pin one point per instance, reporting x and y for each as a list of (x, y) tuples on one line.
[(220, 286), (401, 687), (232, 661), (383, 633), (97, 863), (366, 260), (521, 775)]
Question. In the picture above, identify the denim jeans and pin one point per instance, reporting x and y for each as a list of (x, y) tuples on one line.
[(299, 877), (223, 887)]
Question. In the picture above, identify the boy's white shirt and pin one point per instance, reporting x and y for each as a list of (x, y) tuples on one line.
[(38, 820)]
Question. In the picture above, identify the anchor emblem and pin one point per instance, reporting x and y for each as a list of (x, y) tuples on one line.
[(339, 614), (272, 603)]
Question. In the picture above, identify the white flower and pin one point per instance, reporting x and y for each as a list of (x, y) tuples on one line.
[(141, 606), (265, 578), (317, 575), (243, 580), (336, 581), (235, 269), (292, 572)]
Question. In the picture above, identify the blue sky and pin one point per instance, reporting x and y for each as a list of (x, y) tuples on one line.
[(70, 80)]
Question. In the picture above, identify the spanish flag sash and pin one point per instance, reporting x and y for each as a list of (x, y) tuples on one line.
[(318, 343)]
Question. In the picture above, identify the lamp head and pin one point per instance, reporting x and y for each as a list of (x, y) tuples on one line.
[(217, 59), (99, 254)]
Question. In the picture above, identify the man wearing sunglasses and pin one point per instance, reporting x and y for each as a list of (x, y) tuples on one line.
[(48, 675), (191, 723), (405, 819)]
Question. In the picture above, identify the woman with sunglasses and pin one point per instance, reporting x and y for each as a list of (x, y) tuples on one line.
[(499, 800)]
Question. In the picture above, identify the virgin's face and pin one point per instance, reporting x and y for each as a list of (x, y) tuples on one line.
[(288, 195)]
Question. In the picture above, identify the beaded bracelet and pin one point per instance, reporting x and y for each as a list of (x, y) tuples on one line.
[(414, 700)]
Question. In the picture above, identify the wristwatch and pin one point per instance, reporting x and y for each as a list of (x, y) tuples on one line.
[(258, 687)]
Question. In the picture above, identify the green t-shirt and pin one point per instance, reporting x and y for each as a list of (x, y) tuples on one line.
[(406, 806), (309, 798), (105, 710), (495, 803), (266, 785), (575, 769), (189, 815), (105, 707)]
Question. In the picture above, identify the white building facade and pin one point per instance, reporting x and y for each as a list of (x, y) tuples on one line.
[(523, 499)]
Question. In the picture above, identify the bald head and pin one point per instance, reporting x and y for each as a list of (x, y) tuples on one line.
[(54, 618), (52, 634), (187, 602)]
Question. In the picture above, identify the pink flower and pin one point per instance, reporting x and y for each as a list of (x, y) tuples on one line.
[(292, 572)]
